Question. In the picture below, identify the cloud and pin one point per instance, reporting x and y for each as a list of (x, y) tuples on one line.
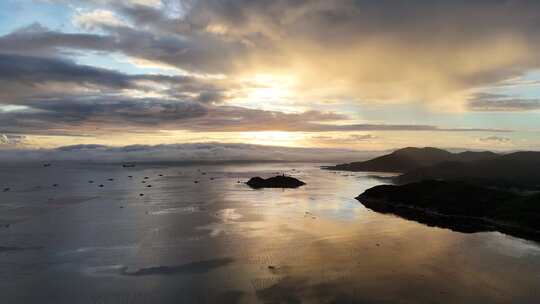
[(98, 115), (398, 50), (97, 18), (61, 97), (37, 40), (11, 139), (22, 77), (485, 102), (350, 51), (495, 139), (109, 114), (362, 137), (392, 51), (197, 54), (350, 139), (198, 152), (35, 70)]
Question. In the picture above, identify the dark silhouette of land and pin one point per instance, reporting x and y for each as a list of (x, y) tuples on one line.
[(514, 170), (468, 191), (459, 206), (518, 170), (407, 159), (280, 181)]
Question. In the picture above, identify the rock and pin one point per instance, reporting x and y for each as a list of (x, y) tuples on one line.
[(280, 181), (7, 189), (128, 165)]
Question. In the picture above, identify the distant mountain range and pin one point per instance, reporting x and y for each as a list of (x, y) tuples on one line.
[(407, 159), (518, 169)]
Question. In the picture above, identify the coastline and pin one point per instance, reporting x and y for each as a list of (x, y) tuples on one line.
[(459, 223)]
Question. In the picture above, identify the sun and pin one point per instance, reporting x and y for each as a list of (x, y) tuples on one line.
[(272, 138), (267, 91), (270, 87)]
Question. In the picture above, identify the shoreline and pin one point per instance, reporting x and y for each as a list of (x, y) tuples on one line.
[(459, 223)]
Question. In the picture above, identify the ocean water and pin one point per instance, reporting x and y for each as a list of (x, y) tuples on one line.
[(64, 239)]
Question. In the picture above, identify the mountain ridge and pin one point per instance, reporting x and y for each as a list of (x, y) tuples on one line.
[(518, 169), (411, 158)]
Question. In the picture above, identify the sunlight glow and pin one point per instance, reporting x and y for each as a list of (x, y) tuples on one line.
[(273, 138), (267, 91)]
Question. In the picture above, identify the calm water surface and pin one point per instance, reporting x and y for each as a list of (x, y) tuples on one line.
[(217, 241)]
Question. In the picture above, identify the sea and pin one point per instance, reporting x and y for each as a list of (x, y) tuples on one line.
[(196, 233)]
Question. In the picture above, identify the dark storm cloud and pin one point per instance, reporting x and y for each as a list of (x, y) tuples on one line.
[(23, 78), (201, 53), (33, 70), (343, 20), (104, 115), (502, 103), (230, 119), (98, 115), (36, 39), (137, 111), (215, 35)]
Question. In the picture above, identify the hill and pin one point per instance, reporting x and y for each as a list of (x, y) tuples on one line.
[(411, 158), (459, 206), (519, 169)]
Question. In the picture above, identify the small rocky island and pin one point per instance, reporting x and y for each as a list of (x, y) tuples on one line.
[(459, 206), (280, 181)]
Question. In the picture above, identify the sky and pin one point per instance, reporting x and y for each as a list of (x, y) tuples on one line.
[(344, 74)]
